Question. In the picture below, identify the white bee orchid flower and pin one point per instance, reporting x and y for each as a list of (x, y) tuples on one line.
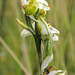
[(46, 62), (48, 31)]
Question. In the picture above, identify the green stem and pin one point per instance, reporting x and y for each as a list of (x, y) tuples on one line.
[(38, 44), (38, 38)]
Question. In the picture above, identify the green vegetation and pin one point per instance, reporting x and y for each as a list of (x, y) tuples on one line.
[(61, 16)]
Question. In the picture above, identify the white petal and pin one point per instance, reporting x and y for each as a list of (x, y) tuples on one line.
[(55, 38), (46, 62), (57, 71), (44, 27), (42, 4), (53, 30), (42, 1), (25, 33)]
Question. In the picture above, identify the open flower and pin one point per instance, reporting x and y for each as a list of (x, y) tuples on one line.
[(45, 70), (48, 31), (46, 62)]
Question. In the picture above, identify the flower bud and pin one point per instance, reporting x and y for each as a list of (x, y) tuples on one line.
[(31, 8), (42, 12)]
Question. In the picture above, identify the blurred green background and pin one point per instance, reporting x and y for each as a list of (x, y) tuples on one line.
[(61, 16)]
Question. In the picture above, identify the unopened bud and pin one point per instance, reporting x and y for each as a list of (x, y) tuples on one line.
[(31, 8), (42, 12)]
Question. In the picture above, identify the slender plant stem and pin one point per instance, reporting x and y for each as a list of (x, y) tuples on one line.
[(38, 45), (38, 39), (14, 56)]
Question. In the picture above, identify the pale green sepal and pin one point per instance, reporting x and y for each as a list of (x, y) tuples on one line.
[(25, 26), (25, 33)]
